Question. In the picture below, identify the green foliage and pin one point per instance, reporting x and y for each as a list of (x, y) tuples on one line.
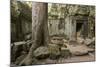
[(23, 8)]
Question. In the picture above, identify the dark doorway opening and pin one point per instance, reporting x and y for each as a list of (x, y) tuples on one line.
[(79, 28)]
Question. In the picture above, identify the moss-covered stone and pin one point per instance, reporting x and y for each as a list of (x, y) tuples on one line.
[(65, 52), (54, 51), (41, 52)]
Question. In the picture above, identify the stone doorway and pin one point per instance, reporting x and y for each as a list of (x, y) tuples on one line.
[(79, 29), (82, 28)]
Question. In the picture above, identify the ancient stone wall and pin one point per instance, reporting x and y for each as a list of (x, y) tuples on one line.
[(21, 21), (72, 14)]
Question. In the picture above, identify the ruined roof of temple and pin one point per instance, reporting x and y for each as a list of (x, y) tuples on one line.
[(81, 10), (63, 10)]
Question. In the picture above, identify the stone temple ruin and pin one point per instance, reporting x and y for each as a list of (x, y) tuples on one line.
[(72, 27), (79, 21), (76, 22)]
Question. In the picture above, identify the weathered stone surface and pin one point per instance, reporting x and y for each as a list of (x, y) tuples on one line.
[(92, 11), (57, 40), (19, 48), (87, 41), (28, 36), (41, 52), (77, 9), (80, 40), (79, 12), (28, 43), (65, 41), (73, 42), (79, 49), (82, 10), (65, 53), (92, 45), (90, 41), (54, 51), (19, 43), (84, 52)]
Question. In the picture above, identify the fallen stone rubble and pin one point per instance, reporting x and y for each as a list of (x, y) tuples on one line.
[(58, 48)]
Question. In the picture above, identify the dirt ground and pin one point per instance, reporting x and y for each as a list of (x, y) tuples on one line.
[(75, 59)]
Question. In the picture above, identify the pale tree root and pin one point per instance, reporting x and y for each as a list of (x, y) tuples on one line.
[(27, 61)]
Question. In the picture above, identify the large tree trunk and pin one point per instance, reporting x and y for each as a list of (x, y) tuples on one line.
[(39, 30)]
